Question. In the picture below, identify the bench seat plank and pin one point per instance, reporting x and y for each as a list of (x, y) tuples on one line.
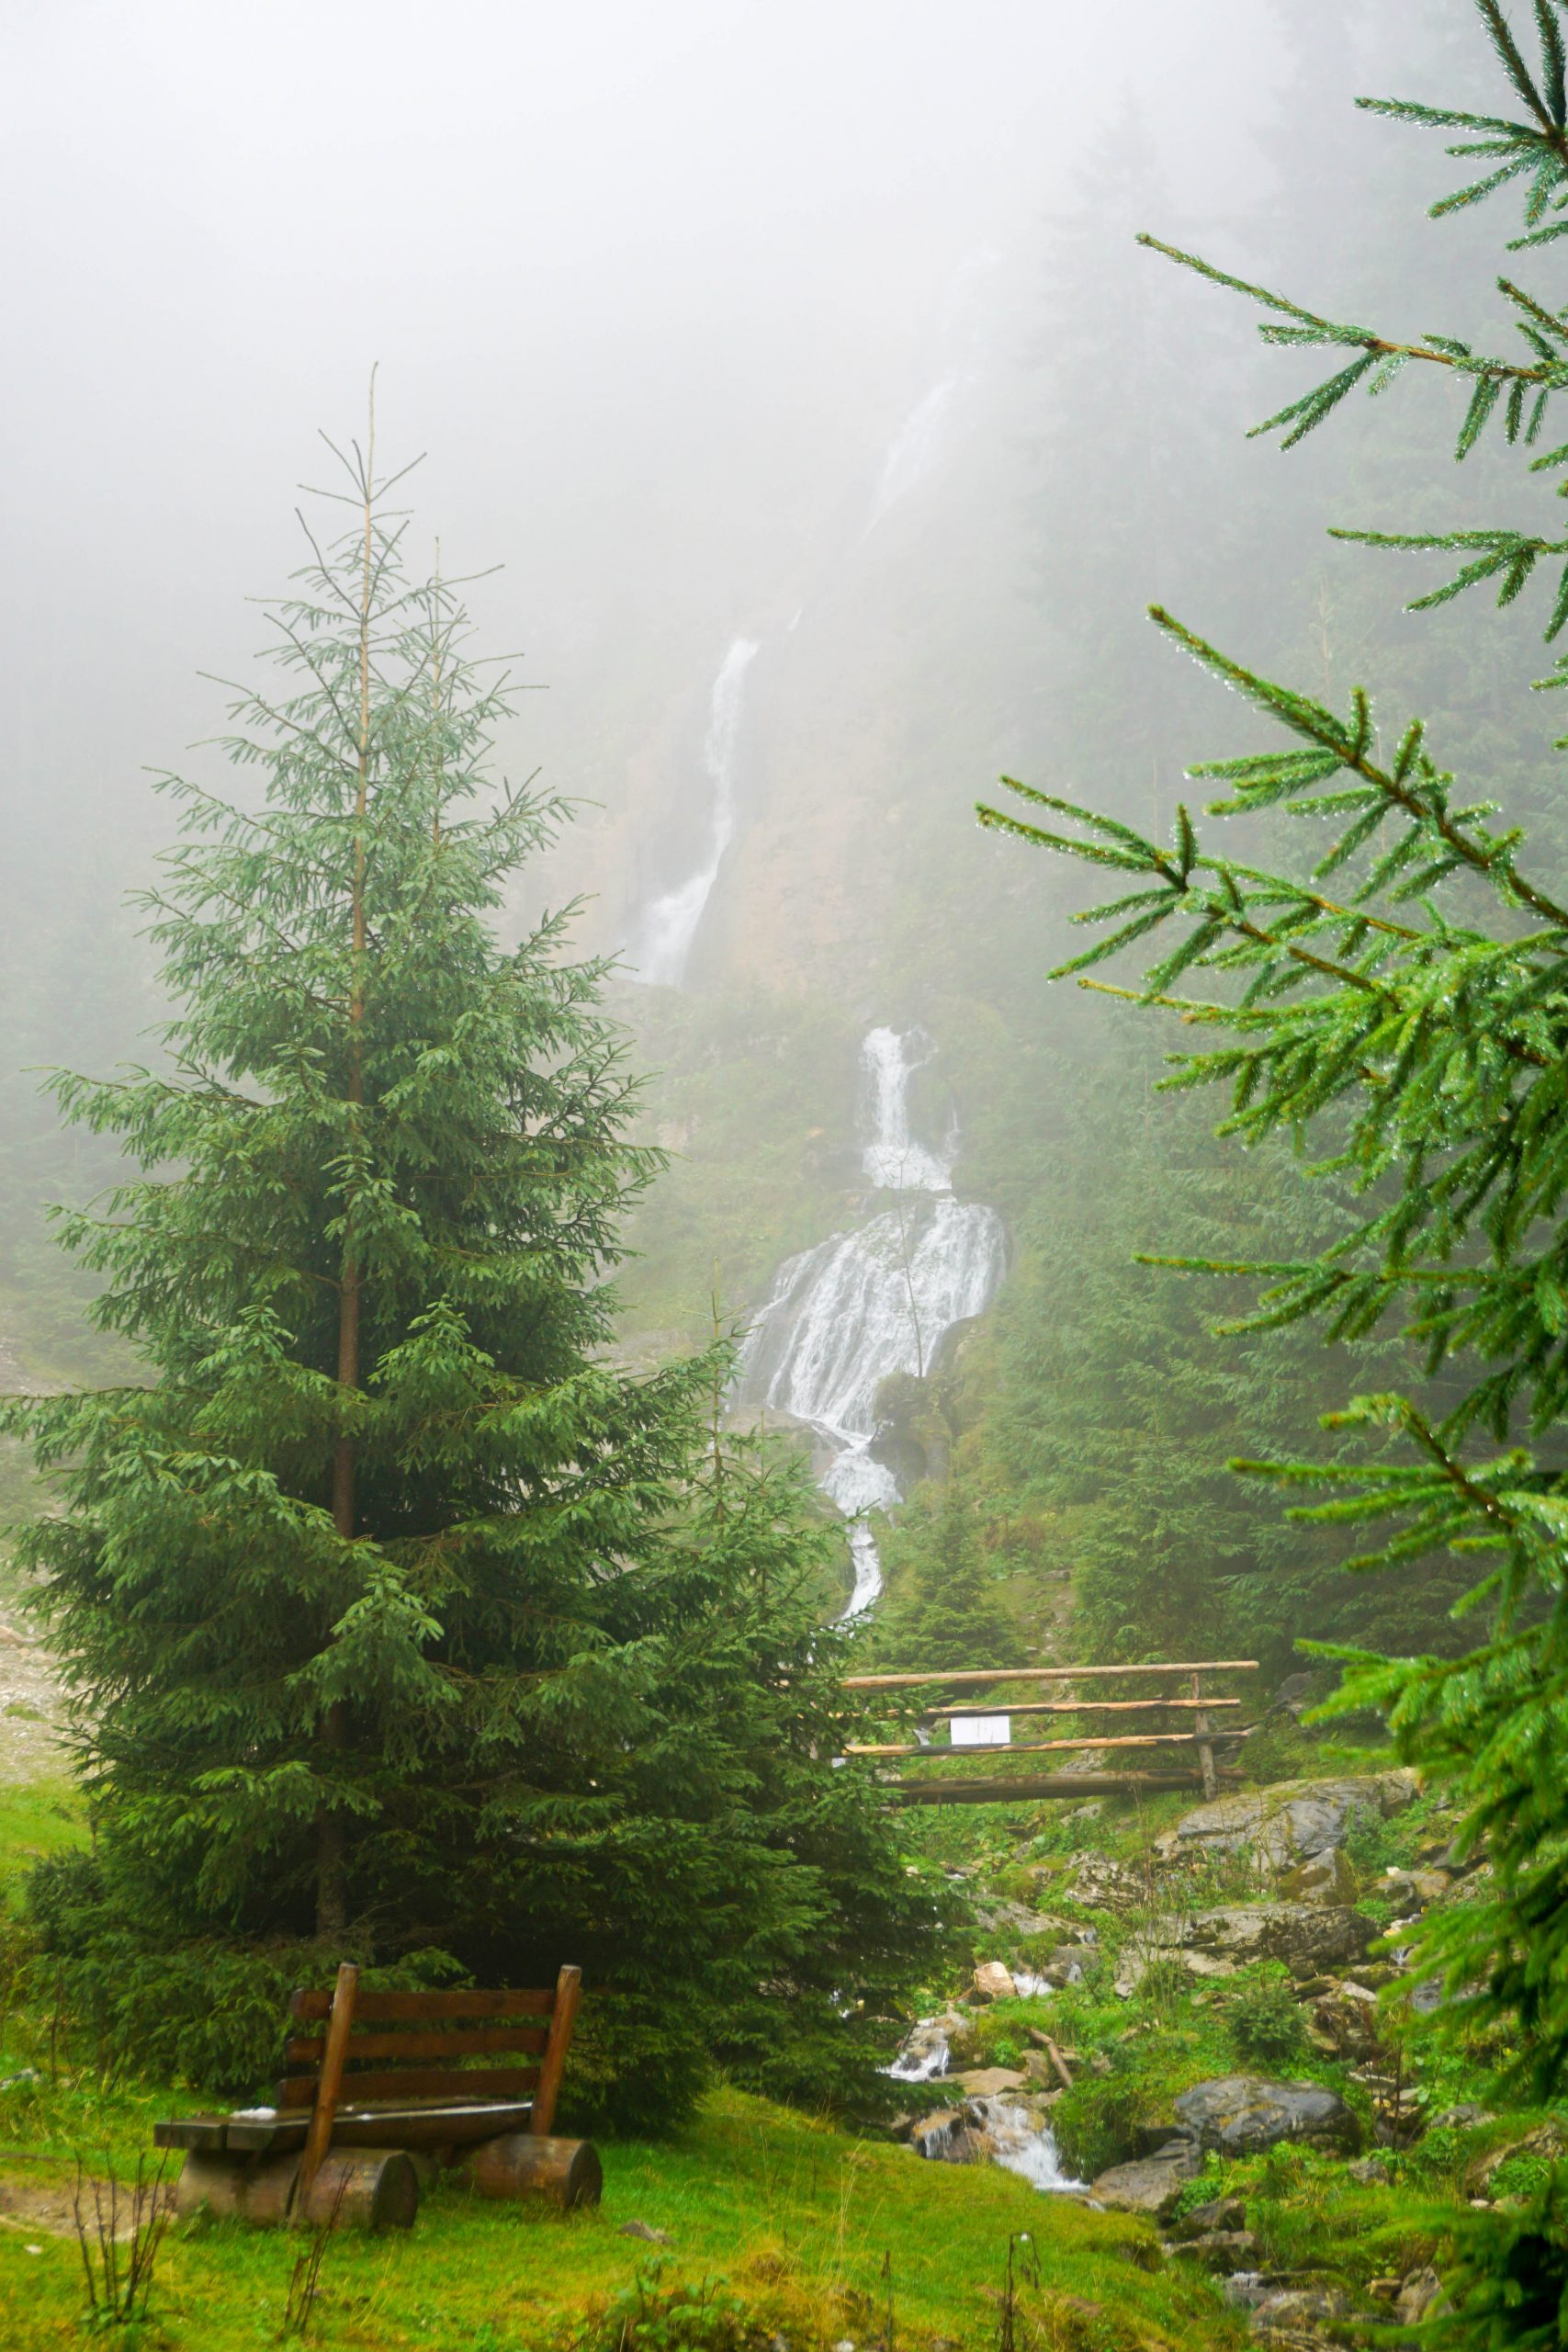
[(207, 2134), (386, 2125)]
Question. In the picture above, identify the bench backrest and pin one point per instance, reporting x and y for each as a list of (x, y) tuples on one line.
[(407, 2047)]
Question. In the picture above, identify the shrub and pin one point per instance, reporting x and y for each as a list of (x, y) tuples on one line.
[(1266, 2028), (206, 2011), (649, 2316), (1097, 2122)]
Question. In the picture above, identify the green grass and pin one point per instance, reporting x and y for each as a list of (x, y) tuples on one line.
[(798, 2217), (796, 2214), (37, 1817), (801, 2219)]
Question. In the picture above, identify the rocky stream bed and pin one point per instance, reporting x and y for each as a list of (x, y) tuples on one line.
[(1132, 1936)]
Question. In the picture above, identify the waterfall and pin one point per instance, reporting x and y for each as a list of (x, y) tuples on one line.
[(923, 437), (878, 1300), (1009, 2134), (663, 943), (892, 1159), (924, 2054), (1023, 2145), (915, 445)]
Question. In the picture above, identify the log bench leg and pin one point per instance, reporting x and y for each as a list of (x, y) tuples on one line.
[(354, 2188), (526, 2164)]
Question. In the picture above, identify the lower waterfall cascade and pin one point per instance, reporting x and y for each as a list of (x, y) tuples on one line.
[(880, 1299), (1007, 2133)]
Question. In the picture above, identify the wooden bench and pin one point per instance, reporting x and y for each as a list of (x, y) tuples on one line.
[(376, 2085)]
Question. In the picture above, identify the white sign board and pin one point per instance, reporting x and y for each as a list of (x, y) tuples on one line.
[(982, 1731)]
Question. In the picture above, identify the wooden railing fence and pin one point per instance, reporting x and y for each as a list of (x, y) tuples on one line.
[(1204, 1735)]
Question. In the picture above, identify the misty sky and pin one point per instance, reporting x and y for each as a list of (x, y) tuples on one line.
[(642, 279)]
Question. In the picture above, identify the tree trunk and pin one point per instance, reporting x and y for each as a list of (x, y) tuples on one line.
[(332, 1865), (332, 1833)]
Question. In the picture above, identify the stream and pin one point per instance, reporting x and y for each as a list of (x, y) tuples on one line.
[(885, 1298), (995, 2127), (881, 1299)]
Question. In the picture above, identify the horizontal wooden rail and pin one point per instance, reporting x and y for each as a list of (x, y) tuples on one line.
[(1042, 1747), (483, 2042), (1041, 1673), (1075, 1707), (416, 2082), (1070, 1786), (390, 2008)]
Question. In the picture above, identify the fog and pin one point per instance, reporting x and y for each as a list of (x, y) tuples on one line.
[(655, 288), (801, 357)]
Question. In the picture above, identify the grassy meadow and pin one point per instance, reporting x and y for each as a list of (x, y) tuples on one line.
[(778, 2224)]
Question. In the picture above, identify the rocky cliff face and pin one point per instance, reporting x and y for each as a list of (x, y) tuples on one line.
[(892, 652)]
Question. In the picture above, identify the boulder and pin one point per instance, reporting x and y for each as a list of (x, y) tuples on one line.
[(1303, 2316), (1134, 1961), (1221, 2251), (1097, 1883), (1419, 2294), (1219, 2213), (1323, 1878), (1240, 2116), (994, 1912), (1369, 2172), (1345, 2022), (964, 2045), (990, 2082), (993, 1982), (1290, 1822), (1310, 1938), (1149, 2184), (1544, 2139), (936, 2135)]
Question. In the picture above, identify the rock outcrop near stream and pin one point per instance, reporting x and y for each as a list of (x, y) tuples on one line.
[(1291, 1822)]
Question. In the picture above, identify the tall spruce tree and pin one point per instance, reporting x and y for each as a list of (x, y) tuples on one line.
[(397, 1614), (1405, 997), (941, 1611)]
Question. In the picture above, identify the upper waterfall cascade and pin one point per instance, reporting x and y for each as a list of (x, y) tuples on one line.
[(663, 945), (879, 1300), (917, 445)]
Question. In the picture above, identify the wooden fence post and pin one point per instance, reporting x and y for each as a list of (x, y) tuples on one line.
[(1205, 1753)]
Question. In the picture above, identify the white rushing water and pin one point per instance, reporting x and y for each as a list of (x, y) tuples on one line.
[(879, 1300), (663, 947), (1013, 2136), (1024, 2146), (915, 445), (924, 2054)]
